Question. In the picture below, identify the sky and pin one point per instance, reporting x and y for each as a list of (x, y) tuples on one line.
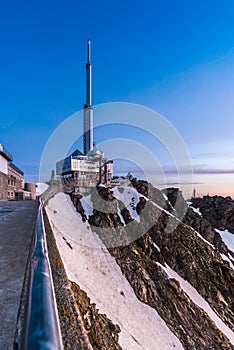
[(175, 57)]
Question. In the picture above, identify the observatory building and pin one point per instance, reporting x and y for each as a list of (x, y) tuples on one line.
[(88, 168)]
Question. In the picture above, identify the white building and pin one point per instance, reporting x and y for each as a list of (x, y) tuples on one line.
[(86, 170), (5, 157)]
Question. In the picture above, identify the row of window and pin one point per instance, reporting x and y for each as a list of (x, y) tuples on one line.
[(11, 182)]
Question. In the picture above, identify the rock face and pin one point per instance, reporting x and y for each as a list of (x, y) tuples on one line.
[(197, 221), (102, 333), (219, 211), (169, 234)]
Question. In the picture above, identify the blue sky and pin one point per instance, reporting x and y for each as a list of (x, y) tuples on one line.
[(176, 57)]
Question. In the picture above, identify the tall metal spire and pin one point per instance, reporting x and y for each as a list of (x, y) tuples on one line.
[(89, 77), (89, 51), (88, 110)]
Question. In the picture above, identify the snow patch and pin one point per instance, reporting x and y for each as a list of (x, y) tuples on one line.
[(163, 270), (224, 257), (200, 301), (196, 210), (130, 197), (87, 205), (98, 274), (157, 247), (121, 216), (207, 242), (228, 238)]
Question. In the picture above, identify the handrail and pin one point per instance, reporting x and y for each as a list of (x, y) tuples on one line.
[(42, 329)]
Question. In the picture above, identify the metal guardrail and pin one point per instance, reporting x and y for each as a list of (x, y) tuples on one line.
[(42, 329)]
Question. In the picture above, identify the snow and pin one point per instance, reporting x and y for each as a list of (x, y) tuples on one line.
[(200, 301), (130, 197), (41, 187), (65, 218), (121, 216), (157, 247), (196, 210), (87, 205), (228, 238), (207, 242), (98, 274), (119, 180), (164, 210), (224, 257)]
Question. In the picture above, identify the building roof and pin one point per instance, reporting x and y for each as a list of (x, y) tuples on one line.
[(77, 153), (16, 168), (5, 153)]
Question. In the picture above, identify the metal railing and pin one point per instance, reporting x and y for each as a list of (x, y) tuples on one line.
[(42, 329)]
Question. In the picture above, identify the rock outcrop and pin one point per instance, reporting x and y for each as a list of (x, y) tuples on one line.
[(102, 333), (196, 220), (168, 234), (218, 210)]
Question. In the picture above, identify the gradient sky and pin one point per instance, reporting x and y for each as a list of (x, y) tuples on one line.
[(176, 57)]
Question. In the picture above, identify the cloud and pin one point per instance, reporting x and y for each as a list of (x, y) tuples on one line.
[(199, 170), (180, 183), (210, 171)]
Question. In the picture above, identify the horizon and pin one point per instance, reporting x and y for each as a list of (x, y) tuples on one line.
[(176, 59)]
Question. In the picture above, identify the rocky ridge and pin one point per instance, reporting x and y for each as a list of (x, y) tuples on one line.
[(217, 210), (164, 239)]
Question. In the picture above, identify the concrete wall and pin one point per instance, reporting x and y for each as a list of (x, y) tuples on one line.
[(3, 186), (3, 164)]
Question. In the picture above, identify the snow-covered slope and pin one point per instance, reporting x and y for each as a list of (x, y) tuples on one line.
[(199, 300), (98, 274), (228, 238)]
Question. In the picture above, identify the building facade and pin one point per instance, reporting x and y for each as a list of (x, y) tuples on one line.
[(11, 177), (85, 171), (15, 181), (5, 157)]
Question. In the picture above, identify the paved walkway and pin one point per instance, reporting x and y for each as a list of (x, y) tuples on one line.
[(17, 220)]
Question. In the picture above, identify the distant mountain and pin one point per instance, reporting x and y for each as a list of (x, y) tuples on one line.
[(166, 278)]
